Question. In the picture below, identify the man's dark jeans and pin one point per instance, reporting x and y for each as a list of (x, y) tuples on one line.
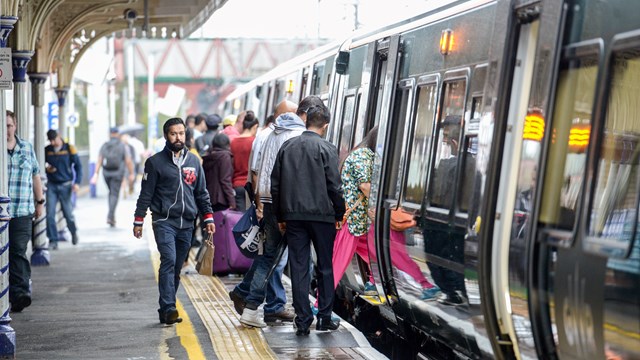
[(59, 192), (114, 183), (251, 288), (173, 245), (20, 230)]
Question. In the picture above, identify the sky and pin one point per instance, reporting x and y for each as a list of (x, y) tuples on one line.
[(330, 19)]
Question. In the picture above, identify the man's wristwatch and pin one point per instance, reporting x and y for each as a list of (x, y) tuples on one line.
[(40, 202)]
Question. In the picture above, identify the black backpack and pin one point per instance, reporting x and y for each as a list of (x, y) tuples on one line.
[(113, 155)]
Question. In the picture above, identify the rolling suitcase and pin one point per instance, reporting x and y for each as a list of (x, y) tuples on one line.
[(227, 258)]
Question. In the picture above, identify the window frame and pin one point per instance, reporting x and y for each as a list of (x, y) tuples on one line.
[(620, 43)]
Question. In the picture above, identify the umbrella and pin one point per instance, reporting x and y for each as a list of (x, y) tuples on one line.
[(131, 128)]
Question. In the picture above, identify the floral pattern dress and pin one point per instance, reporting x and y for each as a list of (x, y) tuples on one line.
[(357, 169)]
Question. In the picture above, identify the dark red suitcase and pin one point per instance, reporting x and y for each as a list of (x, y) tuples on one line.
[(227, 258)]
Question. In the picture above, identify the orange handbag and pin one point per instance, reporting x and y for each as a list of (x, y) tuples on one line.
[(401, 220)]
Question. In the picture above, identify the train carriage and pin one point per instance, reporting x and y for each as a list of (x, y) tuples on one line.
[(509, 131)]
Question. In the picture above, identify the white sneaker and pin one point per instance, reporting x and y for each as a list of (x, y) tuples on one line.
[(250, 318)]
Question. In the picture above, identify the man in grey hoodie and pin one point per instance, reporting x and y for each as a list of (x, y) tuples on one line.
[(287, 126)]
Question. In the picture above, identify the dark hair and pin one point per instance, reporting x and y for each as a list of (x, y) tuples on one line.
[(52, 134), (188, 138), (190, 119), (169, 123), (249, 121), (369, 140), (11, 115), (270, 119), (317, 115), (200, 118), (220, 141)]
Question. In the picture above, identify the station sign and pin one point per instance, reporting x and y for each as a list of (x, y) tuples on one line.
[(52, 115), (6, 70), (73, 120)]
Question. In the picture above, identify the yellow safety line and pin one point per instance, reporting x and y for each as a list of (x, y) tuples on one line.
[(631, 334), (184, 330), (231, 340)]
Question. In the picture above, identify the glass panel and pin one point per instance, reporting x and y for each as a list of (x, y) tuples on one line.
[(418, 166), (448, 139), (468, 174), (347, 127), (615, 203), (397, 123), (565, 165)]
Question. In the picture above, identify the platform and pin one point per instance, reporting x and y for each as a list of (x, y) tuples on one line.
[(98, 300)]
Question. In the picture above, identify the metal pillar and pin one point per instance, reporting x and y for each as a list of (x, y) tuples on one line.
[(61, 93), (20, 59), (40, 255), (7, 334)]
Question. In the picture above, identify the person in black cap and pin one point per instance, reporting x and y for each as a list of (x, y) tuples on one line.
[(203, 143), (113, 157), (64, 175)]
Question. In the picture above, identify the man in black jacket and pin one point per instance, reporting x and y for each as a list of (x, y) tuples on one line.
[(174, 188), (309, 209)]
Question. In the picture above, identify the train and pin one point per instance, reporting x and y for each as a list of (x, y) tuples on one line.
[(510, 131)]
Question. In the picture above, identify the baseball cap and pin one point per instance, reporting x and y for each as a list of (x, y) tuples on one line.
[(213, 120), (229, 120), (114, 130)]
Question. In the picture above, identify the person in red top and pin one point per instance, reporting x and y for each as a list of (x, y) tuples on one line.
[(241, 150)]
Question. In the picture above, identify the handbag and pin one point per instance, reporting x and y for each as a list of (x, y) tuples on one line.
[(349, 210), (248, 233), (204, 264), (401, 220)]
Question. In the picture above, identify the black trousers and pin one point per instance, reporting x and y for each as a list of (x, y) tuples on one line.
[(300, 234), (20, 230)]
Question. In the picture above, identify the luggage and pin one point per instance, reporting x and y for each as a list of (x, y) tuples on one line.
[(227, 258)]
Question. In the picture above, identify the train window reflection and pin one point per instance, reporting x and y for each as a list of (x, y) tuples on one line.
[(566, 160), (420, 143), (614, 211), (398, 121), (347, 127), (468, 174), (448, 140)]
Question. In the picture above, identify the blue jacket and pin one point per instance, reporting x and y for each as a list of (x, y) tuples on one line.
[(174, 193), (62, 164)]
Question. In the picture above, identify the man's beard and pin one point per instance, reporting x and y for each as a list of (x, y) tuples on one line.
[(176, 146)]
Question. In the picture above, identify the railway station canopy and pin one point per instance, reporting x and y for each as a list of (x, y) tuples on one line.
[(51, 35)]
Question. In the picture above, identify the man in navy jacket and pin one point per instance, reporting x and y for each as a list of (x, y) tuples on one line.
[(174, 188)]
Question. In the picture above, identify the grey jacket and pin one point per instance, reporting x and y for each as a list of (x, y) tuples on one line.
[(288, 125)]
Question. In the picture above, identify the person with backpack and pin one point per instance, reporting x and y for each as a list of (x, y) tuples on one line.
[(112, 158)]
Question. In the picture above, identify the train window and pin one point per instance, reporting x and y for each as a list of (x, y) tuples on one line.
[(427, 103), (344, 144), (566, 159), (321, 75), (401, 107), (356, 63), (448, 140), (468, 175), (614, 209)]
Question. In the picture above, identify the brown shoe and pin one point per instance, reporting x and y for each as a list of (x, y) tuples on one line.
[(238, 302), (285, 315)]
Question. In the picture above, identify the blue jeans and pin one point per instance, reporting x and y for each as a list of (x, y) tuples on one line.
[(20, 230), (59, 192), (173, 245), (251, 288)]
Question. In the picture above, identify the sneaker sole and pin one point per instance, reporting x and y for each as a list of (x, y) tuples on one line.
[(252, 325)]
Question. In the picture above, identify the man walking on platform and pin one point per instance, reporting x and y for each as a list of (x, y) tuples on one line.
[(309, 210), (113, 157), (61, 163), (25, 191), (174, 188)]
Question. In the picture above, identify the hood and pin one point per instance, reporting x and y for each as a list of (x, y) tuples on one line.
[(288, 121), (214, 157)]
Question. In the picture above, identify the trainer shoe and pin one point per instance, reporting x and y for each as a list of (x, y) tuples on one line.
[(250, 318), (238, 302), (370, 289), (314, 311), (286, 315), (53, 245), (428, 294), (74, 239)]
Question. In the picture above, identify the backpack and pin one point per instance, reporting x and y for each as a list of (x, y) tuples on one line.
[(112, 155)]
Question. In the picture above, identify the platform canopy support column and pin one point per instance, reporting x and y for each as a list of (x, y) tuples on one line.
[(7, 334)]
